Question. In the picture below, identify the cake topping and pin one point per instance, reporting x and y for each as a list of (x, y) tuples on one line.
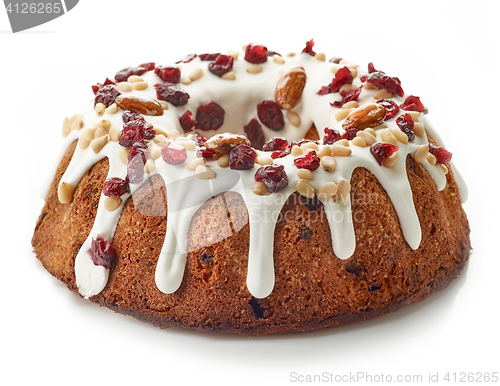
[(273, 176), (143, 105), (255, 53), (342, 76), (309, 48), (115, 187), (383, 81), (442, 155), (275, 143), (382, 151), (106, 95), (221, 65), (412, 103), (222, 144), (309, 161), (368, 115), (209, 116), (123, 75), (405, 123), (242, 157), (255, 134), (102, 252), (174, 154), (168, 74), (391, 108), (270, 115), (168, 92), (290, 87)]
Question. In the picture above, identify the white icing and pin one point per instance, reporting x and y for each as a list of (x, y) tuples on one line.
[(186, 193)]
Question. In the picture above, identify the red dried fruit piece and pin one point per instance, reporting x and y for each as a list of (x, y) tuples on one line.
[(300, 142), (331, 136), (187, 59), (170, 93), (168, 73), (135, 131), (348, 96), (342, 76), (209, 116), (381, 151), (148, 66), (442, 155), (273, 176), (186, 121), (97, 86), (406, 124), (350, 134), (309, 161), (242, 157), (129, 116), (280, 153), (309, 48), (255, 53), (391, 108), (380, 81), (173, 154), (412, 103), (102, 252), (276, 143), (115, 187), (206, 57), (221, 65), (106, 95), (255, 134), (203, 152), (335, 59), (198, 139), (270, 115), (137, 157), (371, 68), (122, 75)]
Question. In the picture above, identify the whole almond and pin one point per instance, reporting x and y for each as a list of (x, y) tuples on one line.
[(222, 144), (144, 105), (289, 88), (368, 115)]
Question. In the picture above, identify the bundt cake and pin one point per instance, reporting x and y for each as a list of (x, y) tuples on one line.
[(255, 193)]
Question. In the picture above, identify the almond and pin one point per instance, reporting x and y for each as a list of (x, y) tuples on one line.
[(222, 144), (144, 105), (368, 115), (289, 88)]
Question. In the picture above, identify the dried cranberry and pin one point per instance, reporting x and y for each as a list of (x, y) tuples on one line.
[(391, 108), (242, 157), (342, 76), (187, 59), (350, 134), (137, 157), (442, 155), (381, 151), (348, 96), (198, 139), (309, 161), (206, 57), (280, 153), (335, 59), (273, 176), (122, 75), (412, 103), (168, 73), (203, 152), (270, 115), (406, 124), (300, 142), (209, 116), (102, 252), (255, 134), (331, 136), (276, 143), (129, 116), (97, 86), (221, 65), (135, 131), (148, 66), (371, 68), (380, 81), (169, 93), (115, 187), (173, 154), (309, 48), (106, 95), (186, 121), (255, 53)]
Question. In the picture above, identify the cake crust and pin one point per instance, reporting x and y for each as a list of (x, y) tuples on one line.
[(314, 289)]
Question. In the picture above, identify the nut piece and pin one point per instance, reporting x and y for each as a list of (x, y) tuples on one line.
[(144, 105), (195, 163), (367, 137), (391, 161), (264, 160), (421, 153), (289, 88), (304, 174), (344, 188), (124, 156), (99, 108), (304, 188), (419, 130), (99, 143), (223, 161), (368, 115), (328, 190), (293, 118), (328, 163), (65, 192), (205, 173), (261, 189), (340, 151), (112, 203), (222, 144), (388, 137)]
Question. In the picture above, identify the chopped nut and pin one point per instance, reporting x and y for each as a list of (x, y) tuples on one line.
[(134, 79), (254, 69), (65, 193), (343, 142), (388, 137), (100, 109), (77, 123), (367, 137), (163, 104), (124, 87), (188, 145), (382, 94), (401, 137), (320, 56), (98, 143), (431, 158), (186, 81), (192, 165), (445, 169), (391, 161), (261, 189), (112, 109), (342, 114), (264, 160), (325, 150), (418, 129), (196, 74), (154, 153), (223, 161), (328, 163), (114, 134), (278, 59), (140, 85), (304, 174), (358, 141), (304, 188), (309, 145), (421, 153), (104, 123), (124, 156), (205, 173), (343, 190), (293, 118), (415, 115), (340, 151), (149, 166), (235, 54), (296, 151), (83, 143), (328, 190), (350, 105), (100, 132), (229, 76), (172, 134), (112, 203)]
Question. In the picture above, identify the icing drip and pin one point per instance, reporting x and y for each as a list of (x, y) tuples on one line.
[(186, 193)]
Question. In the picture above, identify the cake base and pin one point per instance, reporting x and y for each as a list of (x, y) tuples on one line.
[(313, 289)]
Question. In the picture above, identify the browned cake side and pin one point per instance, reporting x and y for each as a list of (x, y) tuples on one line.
[(313, 290)]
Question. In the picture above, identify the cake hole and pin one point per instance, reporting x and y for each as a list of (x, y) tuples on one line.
[(258, 310), (433, 229)]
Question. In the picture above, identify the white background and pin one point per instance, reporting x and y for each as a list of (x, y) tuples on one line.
[(444, 52)]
